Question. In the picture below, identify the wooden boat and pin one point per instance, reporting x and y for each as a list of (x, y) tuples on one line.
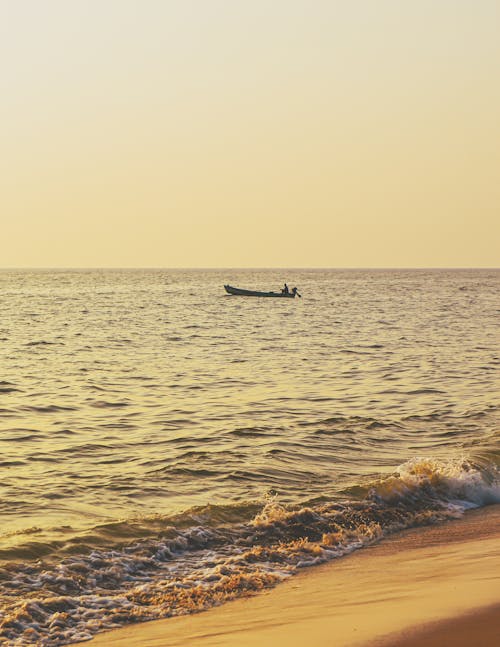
[(254, 293)]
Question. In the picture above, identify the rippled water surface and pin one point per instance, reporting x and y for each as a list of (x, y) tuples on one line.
[(148, 411)]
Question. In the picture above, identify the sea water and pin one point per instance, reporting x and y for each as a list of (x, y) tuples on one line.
[(165, 447)]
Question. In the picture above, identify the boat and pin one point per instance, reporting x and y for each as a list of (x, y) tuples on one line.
[(254, 293)]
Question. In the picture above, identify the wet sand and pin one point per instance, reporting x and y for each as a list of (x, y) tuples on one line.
[(430, 586)]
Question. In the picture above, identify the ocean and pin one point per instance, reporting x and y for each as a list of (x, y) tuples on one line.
[(166, 447)]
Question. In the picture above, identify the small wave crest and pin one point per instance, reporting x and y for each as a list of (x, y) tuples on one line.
[(458, 483)]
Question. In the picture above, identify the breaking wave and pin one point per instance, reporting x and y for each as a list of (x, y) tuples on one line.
[(205, 556)]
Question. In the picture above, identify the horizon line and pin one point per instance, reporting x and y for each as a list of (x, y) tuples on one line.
[(246, 267)]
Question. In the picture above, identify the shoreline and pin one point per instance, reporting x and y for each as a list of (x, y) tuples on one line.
[(417, 587)]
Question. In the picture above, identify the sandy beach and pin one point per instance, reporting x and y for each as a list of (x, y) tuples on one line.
[(429, 586)]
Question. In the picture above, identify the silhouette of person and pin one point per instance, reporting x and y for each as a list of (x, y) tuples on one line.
[(285, 290)]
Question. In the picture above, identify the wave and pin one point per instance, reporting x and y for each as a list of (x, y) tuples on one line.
[(51, 408), (103, 404), (161, 566)]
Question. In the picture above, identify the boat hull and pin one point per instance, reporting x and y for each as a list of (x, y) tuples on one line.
[(254, 293)]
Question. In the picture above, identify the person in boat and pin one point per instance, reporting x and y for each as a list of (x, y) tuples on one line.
[(294, 291), (285, 290)]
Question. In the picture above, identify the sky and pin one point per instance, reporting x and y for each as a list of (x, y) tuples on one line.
[(259, 133)]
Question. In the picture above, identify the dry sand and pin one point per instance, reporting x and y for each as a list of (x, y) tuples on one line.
[(435, 586)]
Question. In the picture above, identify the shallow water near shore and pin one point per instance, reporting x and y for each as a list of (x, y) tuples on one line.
[(166, 447)]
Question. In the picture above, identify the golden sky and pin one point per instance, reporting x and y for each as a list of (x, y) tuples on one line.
[(259, 133)]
